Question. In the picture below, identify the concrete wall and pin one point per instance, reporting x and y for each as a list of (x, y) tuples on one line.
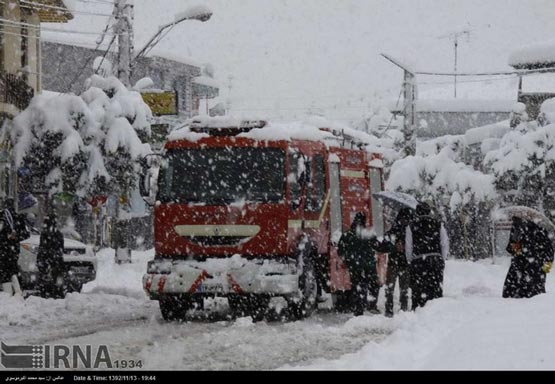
[(61, 63), (435, 124)]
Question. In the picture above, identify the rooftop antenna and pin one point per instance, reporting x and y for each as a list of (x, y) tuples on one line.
[(228, 101), (455, 36)]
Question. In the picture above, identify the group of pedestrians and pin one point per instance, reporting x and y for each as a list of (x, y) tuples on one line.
[(417, 246)]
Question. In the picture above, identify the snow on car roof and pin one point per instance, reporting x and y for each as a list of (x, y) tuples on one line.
[(68, 243)]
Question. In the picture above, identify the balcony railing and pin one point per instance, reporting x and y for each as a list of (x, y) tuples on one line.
[(15, 91)]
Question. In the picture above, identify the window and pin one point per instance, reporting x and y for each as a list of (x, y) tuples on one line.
[(223, 175), (293, 179), (318, 185)]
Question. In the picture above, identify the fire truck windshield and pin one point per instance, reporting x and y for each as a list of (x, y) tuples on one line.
[(223, 175)]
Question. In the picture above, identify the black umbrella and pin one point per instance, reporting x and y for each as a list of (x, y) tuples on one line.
[(525, 213)]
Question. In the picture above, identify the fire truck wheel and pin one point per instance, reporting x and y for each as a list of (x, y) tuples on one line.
[(174, 308), (304, 303)]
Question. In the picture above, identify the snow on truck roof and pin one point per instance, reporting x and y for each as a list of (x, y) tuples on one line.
[(312, 129)]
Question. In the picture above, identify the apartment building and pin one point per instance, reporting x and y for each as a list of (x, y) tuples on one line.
[(20, 63)]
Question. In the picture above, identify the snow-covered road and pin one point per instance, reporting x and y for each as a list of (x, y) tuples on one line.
[(472, 327), (114, 311)]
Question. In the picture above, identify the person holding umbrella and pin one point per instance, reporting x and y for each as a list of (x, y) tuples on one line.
[(394, 245), (532, 252), (397, 265)]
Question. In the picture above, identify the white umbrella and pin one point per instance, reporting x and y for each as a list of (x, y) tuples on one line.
[(396, 200), (525, 213)]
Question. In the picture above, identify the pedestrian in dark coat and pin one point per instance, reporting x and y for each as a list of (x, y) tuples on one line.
[(426, 248), (532, 252), (13, 230), (397, 265), (50, 259), (358, 254)]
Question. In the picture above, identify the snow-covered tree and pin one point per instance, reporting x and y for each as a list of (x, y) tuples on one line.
[(51, 138), (463, 195), (524, 165), (86, 145), (124, 120)]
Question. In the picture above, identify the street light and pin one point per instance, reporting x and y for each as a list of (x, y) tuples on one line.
[(199, 12)]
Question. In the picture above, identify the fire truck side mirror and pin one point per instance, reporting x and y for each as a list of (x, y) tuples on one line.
[(150, 165)]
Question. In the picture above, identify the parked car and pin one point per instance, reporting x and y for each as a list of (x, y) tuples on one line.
[(79, 259)]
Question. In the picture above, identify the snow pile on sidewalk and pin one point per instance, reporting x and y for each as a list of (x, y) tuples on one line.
[(120, 279), (472, 327)]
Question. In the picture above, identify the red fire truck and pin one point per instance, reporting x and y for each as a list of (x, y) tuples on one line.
[(253, 211)]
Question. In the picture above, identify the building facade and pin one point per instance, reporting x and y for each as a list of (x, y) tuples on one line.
[(184, 77), (20, 65), (436, 118)]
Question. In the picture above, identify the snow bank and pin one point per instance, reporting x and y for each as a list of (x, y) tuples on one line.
[(490, 131), (471, 327), (434, 146), (120, 279)]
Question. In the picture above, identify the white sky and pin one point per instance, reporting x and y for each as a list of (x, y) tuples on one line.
[(287, 55)]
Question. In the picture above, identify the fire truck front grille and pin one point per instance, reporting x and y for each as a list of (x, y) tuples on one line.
[(218, 241)]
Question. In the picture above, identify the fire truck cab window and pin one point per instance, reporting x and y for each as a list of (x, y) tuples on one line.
[(223, 175), (295, 178), (317, 185)]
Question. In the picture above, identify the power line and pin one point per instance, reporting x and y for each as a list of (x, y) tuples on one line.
[(9, 23), (3, 32), (105, 53), (99, 42), (74, 32)]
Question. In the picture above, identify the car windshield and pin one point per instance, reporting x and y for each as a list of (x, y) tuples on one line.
[(216, 175)]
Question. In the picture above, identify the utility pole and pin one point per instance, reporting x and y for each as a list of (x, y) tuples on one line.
[(409, 106), (455, 37), (124, 15), (409, 125)]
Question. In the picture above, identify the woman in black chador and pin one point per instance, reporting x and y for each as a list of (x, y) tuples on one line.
[(532, 252), (50, 259)]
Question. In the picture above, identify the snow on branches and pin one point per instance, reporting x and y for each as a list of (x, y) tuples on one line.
[(86, 144), (441, 178)]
